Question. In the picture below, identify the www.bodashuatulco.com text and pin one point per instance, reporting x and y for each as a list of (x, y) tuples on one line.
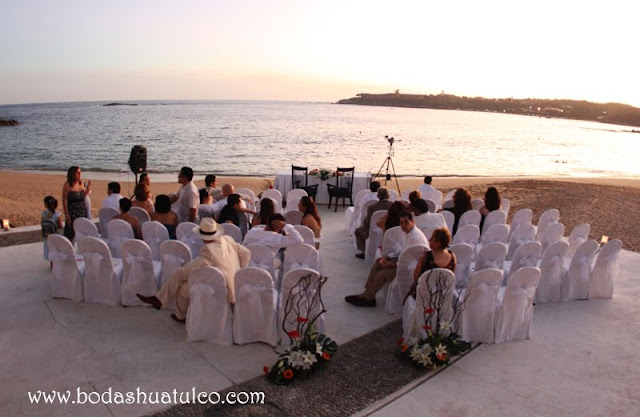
[(141, 397)]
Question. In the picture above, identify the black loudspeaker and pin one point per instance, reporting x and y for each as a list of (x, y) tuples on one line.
[(138, 159)]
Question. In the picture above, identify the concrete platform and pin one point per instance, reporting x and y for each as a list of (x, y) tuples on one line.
[(582, 355)]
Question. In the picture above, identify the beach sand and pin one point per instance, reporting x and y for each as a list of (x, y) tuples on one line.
[(610, 205)]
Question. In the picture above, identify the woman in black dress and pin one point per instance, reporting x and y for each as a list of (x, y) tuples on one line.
[(73, 193)]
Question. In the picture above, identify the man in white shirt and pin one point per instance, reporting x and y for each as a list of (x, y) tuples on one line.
[(276, 235), (185, 202), (210, 183), (113, 196), (384, 268), (428, 192)]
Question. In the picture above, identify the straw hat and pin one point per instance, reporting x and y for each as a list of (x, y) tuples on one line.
[(208, 229)]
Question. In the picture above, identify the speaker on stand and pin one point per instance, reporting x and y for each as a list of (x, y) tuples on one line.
[(138, 160)]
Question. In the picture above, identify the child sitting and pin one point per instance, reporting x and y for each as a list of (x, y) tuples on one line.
[(51, 222)]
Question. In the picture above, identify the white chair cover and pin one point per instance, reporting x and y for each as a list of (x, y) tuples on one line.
[(393, 242), (575, 280), (578, 236), (209, 316), (515, 311), (505, 205), (154, 234), (552, 234), (348, 219), (294, 217), (464, 257), (296, 194), (102, 276), (440, 283), (105, 215), (435, 196), (300, 298), (494, 217), (522, 216), (275, 195), (292, 205), (374, 241), (478, 315), (399, 287), (393, 195), (307, 234), (497, 233), (353, 217), (547, 218), (527, 255), (141, 214), (232, 230), (523, 234), (173, 255), (186, 235), (605, 270), (66, 273), (431, 205), (263, 257), (449, 218), (84, 227), (140, 274), (551, 267), (450, 194), (470, 217), (248, 193), (491, 256), (301, 256), (477, 203), (468, 234), (119, 232), (254, 314)]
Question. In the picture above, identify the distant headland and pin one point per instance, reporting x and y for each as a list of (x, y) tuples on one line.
[(9, 122), (615, 113), (120, 104)]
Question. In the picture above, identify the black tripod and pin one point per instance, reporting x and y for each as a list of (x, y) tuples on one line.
[(388, 162)]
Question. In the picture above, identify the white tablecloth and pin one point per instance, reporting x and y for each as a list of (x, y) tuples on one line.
[(283, 184)]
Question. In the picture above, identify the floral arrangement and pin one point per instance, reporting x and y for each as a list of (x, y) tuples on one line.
[(307, 349), (323, 173)]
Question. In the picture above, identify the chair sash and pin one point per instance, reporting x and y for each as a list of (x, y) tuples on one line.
[(58, 259), (254, 314), (92, 260), (137, 270)]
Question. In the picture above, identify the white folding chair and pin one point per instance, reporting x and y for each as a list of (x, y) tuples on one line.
[(505, 205), (431, 205), (477, 203), (301, 256), (478, 315), (578, 236), (173, 255), (393, 195), (497, 233), (605, 270), (306, 301), (294, 216), (307, 234), (399, 287), (141, 214), (102, 276), (551, 267), (374, 241), (67, 272), (491, 256), (515, 311), (575, 280), (105, 215), (186, 235), (248, 193), (295, 194), (470, 217), (392, 242), (520, 217), (468, 234), (254, 314), (449, 218), (209, 316), (232, 230), (263, 257), (154, 234), (119, 232), (547, 218), (527, 255), (140, 273), (552, 234), (464, 257), (494, 217), (273, 194), (523, 234), (292, 205), (84, 227)]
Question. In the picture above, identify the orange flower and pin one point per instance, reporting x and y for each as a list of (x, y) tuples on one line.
[(266, 369), (404, 348), (428, 310), (441, 356), (326, 356), (400, 341), (302, 320), (287, 374), (294, 334)]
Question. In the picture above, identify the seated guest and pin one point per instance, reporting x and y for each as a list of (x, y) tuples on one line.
[(428, 192), (413, 197), (142, 198), (425, 219), (362, 232), (384, 268), (461, 204), (125, 206), (438, 257), (267, 209), (310, 216), (165, 215), (233, 213), (205, 208), (113, 196), (276, 235), (392, 218), (210, 183), (492, 201)]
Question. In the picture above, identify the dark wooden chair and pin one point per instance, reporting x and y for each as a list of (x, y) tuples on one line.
[(300, 179), (343, 188)]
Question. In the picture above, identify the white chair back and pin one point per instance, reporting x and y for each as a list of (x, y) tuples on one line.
[(296, 194), (307, 234), (497, 233), (293, 217), (301, 256), (605, 270), (141, 214), (393, 195), (505, 205), (491, 256), (154, 234), (399, 287), (374, 241), (527, 255), (551, 267), (173, 255), (186, 235), (301, 298), (254, 314), (553, 234), (478, 315), (468, 234), (575, 282), (209, 316), (102, 277), (248, 193), (232, 230), (515, 313), (547, 218), (140, 273), (578, 236), (273, 194), (470, 217), (263, 257), (119, 232), (66, 272), (431, 205), (494, 217), (522, 216), (477, 203), (464, 257), (105, 215), (292, 205), (449, 218), (393, 242), (450, 194), (84, 227), (523, 234)]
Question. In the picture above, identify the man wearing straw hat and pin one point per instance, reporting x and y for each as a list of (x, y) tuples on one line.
[(219, 251)]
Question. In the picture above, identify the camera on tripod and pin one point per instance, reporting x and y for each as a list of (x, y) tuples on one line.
[(390, 140)]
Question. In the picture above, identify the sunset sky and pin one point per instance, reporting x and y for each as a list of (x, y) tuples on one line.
[(316, 50)]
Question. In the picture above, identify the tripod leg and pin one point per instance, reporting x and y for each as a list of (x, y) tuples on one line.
[(395, 176)]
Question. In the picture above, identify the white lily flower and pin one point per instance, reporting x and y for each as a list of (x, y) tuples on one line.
[(440, 349), (416, 354), (296, 358), (445, 325), (425, 360), (308, 359)]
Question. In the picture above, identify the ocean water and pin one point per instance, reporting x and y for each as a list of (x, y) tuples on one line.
[(260, 138)]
